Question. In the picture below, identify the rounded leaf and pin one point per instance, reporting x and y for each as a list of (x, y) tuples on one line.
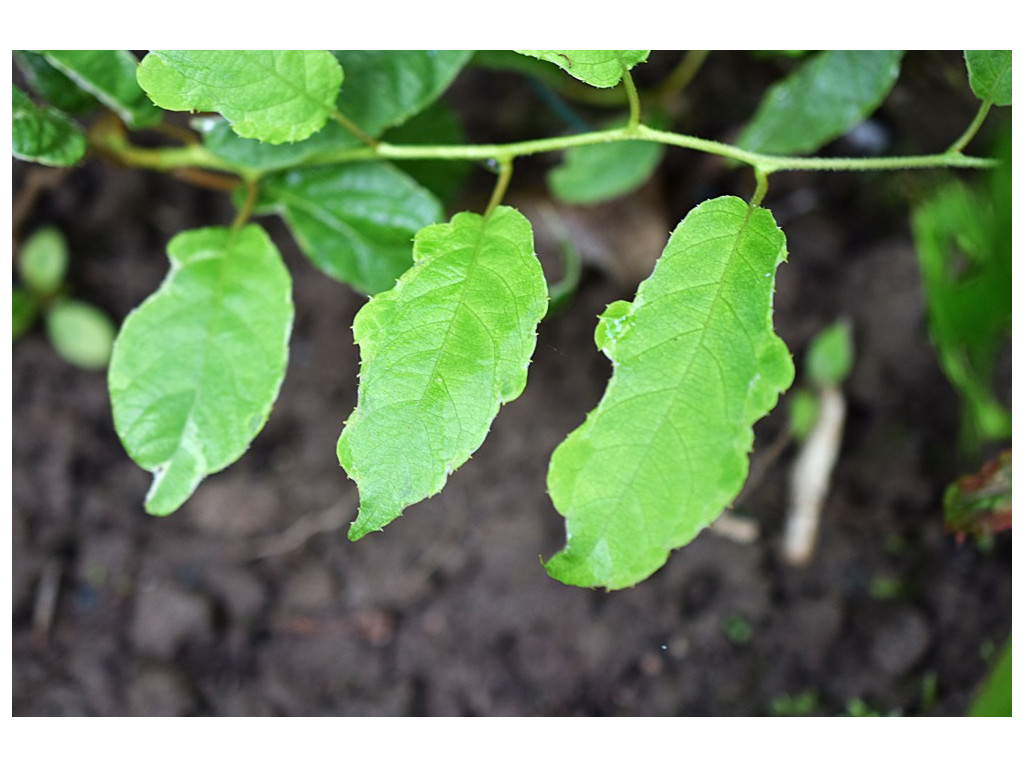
[(80, 333)]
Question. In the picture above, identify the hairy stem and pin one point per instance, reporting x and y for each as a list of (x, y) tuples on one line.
[(504, 177), (117, 147), (634, 99), (972, 129)]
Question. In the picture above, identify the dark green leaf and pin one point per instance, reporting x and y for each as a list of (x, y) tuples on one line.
[(110, 77), (695, 364), (355, 221), (23, 311), (821, 100), (272, 96), (438, 125), (965, 262), (991, 75), (42, 134), (197, 367), (601, 172), (53, 85), (440, 353), (996, 697)]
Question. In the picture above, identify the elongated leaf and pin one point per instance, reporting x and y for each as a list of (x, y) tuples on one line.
[(821, 100), (601, 172), (695, 365), (355, 221), (53, 85), (966, 269), (197, 367), (440, 353), (991, 75), (110, 77), (601, 69), (273, 96), (42, 134), (382, 89)]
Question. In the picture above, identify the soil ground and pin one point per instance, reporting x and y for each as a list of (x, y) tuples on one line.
[(251, 601)]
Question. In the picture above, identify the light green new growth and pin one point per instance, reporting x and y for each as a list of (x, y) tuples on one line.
[(696, 363), (80, 333), (273, 96), (198, 365), (355, 221), (601, 69), (830, 355), (110, 77), (991, 75), (825, 97), (42, 134), (440, 353), (44, 260)]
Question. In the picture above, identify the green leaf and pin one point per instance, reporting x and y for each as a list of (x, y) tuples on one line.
[(44, 260), (830, 355), (355, 221), (110, 77), (382, 89), (601, 172), (437, 124), (42, 134), (197, 367), (965, 261), (23, 311), (440, 353), (995, 699), (695, 364), (80, 333), (601, 69), (272, 96), (803, 413), (53, 85), (991, 75), (821, 100)]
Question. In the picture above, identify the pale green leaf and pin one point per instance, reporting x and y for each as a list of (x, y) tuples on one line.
[(52, 85), (110, 77), (821, 100), (695, 364), (272, 96), (42, 134), (991, 75), (440, 353), (382, 89), (830, 355), (80, 333), (355, 221), (44, 260), (197, 367), (597, 173), (601, 69)]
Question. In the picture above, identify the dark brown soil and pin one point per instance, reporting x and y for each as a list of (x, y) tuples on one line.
[(251, 601)]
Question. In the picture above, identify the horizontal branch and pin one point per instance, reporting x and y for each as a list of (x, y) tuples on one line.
[(169, 158)]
